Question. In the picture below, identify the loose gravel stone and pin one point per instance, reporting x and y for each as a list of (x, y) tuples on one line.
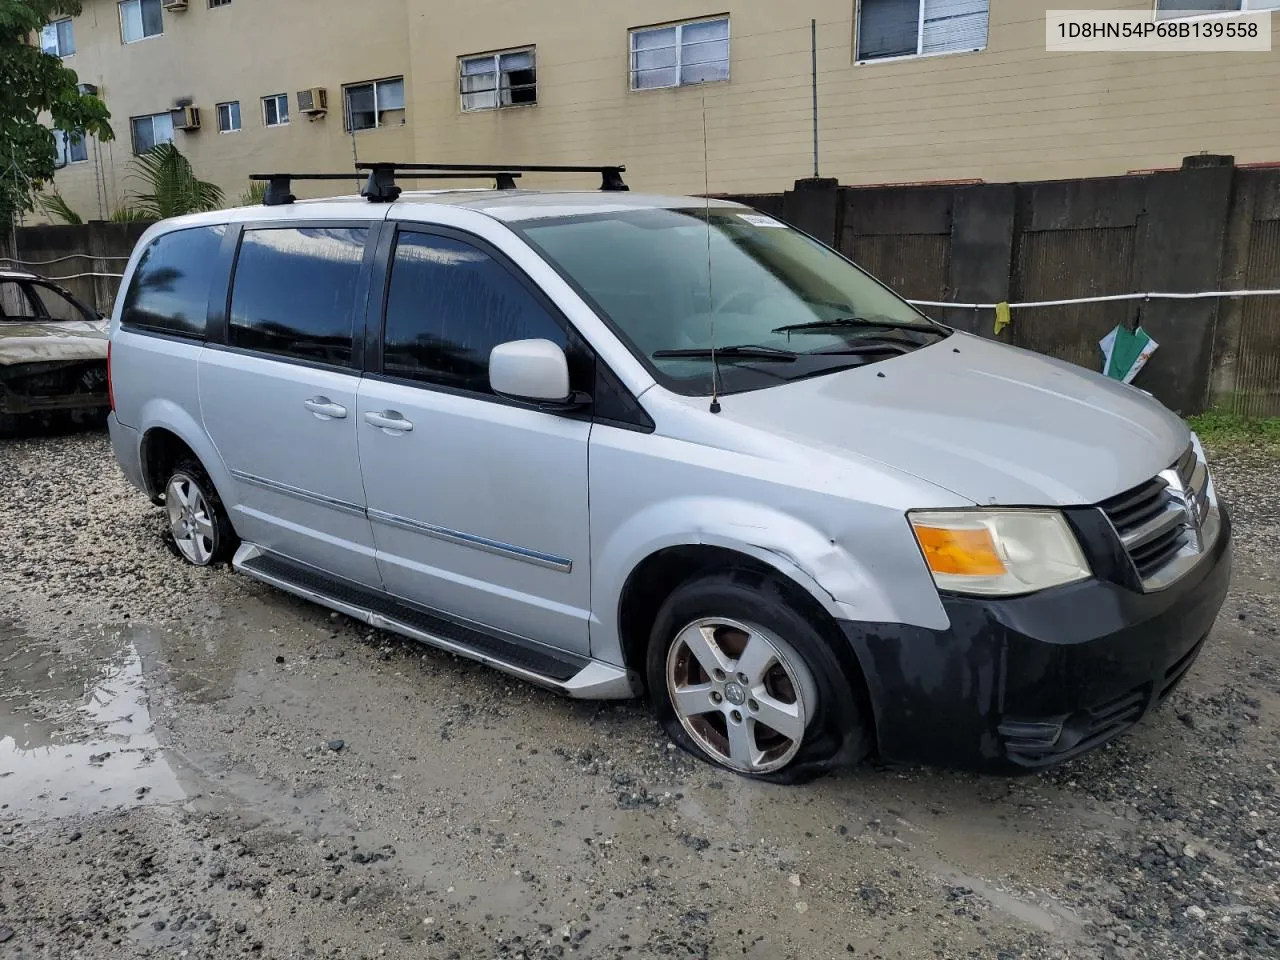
[(464, 814)]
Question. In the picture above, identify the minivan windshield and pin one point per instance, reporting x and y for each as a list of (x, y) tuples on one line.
[(778, 305)]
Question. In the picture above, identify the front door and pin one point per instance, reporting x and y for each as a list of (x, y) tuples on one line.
[(279, 399), (478, 505)]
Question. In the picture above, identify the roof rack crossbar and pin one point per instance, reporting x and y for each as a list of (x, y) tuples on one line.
[(610, 175), (380, 191)]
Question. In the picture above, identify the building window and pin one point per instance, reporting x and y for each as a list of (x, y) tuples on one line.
[(58, 38), (229, 116), (672, 56), (507, 79), (275, 110), (379, 103), (72, 147), (150, 131), (1166, 9), (913, 28), (219, 3), (140, 19)]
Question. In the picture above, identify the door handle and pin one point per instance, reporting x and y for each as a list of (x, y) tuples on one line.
[(389, 420), (325, 409)]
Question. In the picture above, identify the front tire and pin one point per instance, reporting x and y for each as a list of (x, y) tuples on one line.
[(742, 677), (198, 522)]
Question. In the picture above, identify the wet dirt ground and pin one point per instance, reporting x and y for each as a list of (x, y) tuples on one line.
[(193, 765)]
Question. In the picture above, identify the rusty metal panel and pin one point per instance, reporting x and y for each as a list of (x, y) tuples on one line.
[(915, 265), (1064, 264), (1257, 387)]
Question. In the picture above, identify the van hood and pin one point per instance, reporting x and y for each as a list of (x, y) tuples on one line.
[(991, 423), (55, 340)]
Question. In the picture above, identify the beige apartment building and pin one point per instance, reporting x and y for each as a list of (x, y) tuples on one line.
[(907, 90)]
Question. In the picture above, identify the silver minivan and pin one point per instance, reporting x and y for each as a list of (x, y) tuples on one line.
[(620, 444)]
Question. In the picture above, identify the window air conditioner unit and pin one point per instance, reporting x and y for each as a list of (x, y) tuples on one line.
[(185, 118), (174, 4), (313, 101)]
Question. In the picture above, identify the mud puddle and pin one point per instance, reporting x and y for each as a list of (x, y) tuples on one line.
[(76, 735)]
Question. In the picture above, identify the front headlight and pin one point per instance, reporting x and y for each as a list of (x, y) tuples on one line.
[(998, 552)]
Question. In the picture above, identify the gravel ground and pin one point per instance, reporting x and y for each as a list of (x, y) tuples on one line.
[(193, 765)]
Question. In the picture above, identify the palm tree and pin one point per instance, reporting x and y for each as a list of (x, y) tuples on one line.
[(255, 194), (169, 188), (56, 208)]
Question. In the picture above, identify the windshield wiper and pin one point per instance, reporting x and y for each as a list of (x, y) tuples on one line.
[(840, 322), (741, 352)]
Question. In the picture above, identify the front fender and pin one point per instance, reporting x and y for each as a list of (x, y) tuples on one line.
[(822, 565)]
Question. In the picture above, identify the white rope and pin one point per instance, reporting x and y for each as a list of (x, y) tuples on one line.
[(1204, 295), (73, 256), (77, 276)]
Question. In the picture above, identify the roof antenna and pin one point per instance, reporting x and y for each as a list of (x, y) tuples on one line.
[(711, 307)]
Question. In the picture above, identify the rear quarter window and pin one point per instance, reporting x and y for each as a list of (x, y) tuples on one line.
[(169, 290)]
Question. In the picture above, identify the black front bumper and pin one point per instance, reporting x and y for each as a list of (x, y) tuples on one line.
[(1020, 684)]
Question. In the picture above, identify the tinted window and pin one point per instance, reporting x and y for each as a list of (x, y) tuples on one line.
[(170, 289), (56, 304), (449, 305), (295, 292)]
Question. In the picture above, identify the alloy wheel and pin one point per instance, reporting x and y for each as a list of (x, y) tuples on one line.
[(190, 520), (741, 693)]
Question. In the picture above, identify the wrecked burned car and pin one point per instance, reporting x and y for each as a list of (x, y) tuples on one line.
[(53, 354)]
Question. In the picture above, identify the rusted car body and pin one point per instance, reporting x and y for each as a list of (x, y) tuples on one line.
[(53, 353)]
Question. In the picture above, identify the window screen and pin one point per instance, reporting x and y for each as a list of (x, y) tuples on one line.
[(150, 131), (140, 19), (906, 28), (229, 116), (694, 52), (498, 80), (58, 38), (169, 292), (449, 305), (294, 292), (376, 104)]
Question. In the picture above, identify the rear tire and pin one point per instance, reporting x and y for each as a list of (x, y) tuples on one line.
[(740, 676), (198, 522)]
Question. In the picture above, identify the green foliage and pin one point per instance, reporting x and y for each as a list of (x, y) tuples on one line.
[(36, 83), (129, 215), (1222, 430), (255, 194), (172, 188), (56, 208)]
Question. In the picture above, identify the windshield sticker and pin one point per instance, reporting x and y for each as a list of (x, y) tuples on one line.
[(760, 220)]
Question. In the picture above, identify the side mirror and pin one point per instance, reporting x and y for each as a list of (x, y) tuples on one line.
[(532, 370)]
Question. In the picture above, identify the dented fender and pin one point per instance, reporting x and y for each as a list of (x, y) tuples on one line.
[(843, 576)]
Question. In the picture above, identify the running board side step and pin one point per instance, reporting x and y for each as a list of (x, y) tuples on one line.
[(566, 673)]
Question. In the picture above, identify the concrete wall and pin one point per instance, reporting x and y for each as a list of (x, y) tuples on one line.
[(1010, 112)]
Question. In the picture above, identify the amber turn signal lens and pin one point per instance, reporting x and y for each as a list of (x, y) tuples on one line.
[(970, 553)]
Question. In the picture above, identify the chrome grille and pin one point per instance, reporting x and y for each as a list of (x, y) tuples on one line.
[(1160, 522)]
